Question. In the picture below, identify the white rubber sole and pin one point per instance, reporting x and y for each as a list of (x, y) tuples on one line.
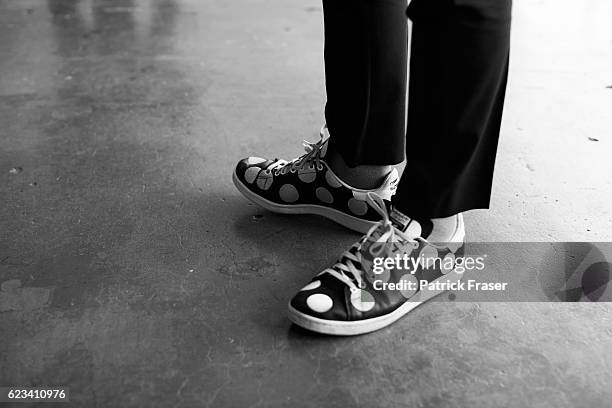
[(348, 221), (352, 328)]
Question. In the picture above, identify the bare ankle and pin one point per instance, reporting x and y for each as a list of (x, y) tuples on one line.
[(363, 177)]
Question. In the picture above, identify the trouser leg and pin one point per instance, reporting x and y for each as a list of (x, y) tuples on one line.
[(458, 74), (365, 70)]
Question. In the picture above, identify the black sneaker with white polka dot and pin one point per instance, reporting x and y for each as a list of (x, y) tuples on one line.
[(361, 293), (307, 185)]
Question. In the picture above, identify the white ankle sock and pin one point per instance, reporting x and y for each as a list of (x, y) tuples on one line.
[(443, 228)]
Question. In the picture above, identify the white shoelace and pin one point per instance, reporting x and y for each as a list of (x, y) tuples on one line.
[(345, 269), (310, 160)]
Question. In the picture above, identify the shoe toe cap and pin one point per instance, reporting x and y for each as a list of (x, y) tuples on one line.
[(321, 301)]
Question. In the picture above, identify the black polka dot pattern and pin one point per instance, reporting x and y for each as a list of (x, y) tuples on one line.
[(314, 185)]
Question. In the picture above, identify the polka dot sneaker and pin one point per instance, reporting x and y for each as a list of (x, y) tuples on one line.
[(307, 185), (383, 276)]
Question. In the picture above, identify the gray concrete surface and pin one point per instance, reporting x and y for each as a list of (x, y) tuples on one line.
[(134, 273)]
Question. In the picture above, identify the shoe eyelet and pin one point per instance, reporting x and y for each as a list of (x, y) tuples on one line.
[(320, 167), (293, 170)]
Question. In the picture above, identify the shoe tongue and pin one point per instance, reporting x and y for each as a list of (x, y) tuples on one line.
[(409, 226)]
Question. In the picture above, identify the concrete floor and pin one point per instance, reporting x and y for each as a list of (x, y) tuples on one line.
[(133, 272)]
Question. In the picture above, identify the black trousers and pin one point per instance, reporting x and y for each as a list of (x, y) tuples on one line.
[(458, 74)]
